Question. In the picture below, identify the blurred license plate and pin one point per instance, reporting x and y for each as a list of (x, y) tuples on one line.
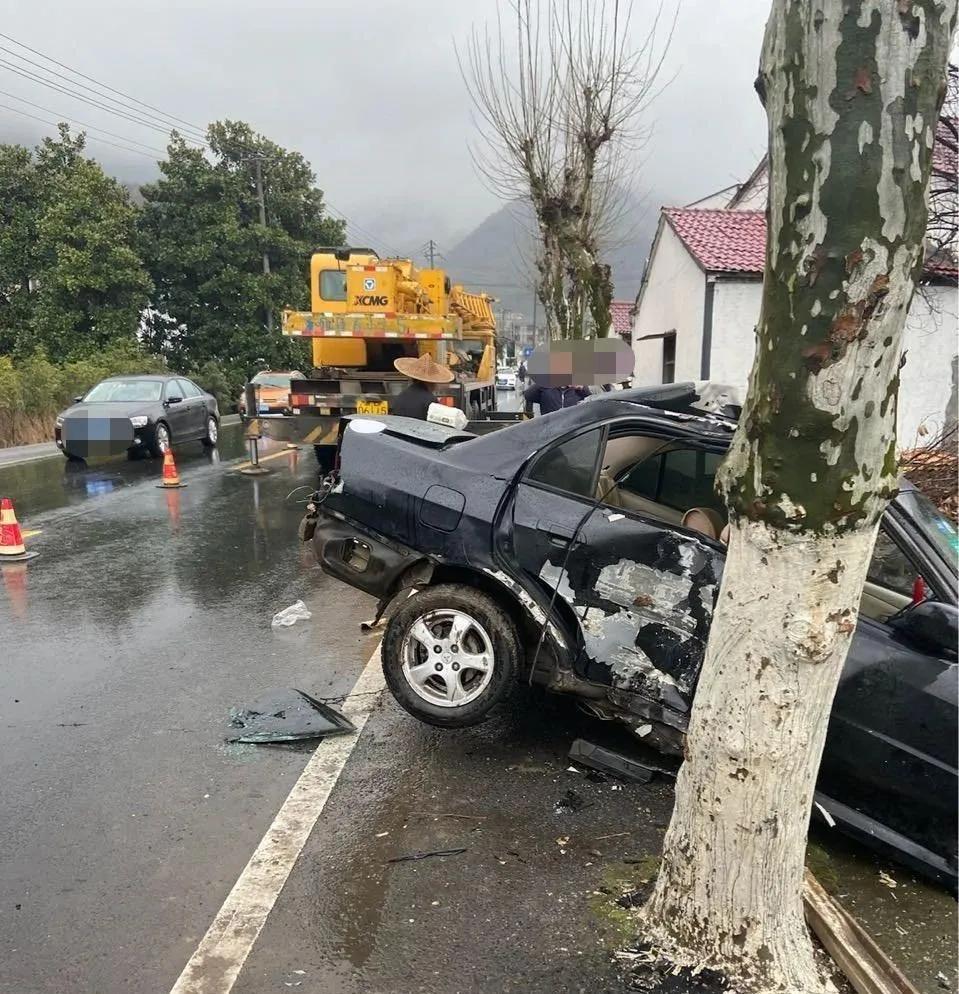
[(264, 409), (372, 407)]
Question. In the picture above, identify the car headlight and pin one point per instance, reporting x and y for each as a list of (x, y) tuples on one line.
[(139, 422), (59, 421)]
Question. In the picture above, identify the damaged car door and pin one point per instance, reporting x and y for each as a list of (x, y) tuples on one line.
[(640, 587)]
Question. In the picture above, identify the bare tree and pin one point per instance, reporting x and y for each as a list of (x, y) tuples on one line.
[(560, 89), (852, 90), (942, 233)]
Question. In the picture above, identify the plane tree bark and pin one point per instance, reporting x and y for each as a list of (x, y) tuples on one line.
[(852, 90)]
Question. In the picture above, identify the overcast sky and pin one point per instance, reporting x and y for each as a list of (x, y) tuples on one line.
[(371, 94)]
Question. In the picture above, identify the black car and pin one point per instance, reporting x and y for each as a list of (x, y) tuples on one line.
[(137, 414), (583, 551)]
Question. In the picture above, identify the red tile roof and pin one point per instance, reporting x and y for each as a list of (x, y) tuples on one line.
[(620, 311), (731, 241), (722, 241)]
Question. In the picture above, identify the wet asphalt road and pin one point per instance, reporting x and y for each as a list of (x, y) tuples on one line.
[(125, 817)]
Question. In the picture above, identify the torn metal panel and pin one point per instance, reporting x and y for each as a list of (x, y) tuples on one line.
[(535, 611), (644, 616)]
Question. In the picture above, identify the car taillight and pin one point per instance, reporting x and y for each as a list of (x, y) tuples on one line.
[(299, 400), (448, 401)]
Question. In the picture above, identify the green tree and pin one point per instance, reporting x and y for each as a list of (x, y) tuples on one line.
[(19, 211), (203, 243), (90, 284), (71, 281)]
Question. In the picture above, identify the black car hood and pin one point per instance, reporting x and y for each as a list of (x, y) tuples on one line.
[(118, 409)]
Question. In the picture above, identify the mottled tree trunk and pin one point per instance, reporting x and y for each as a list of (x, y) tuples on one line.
[(852, 91)]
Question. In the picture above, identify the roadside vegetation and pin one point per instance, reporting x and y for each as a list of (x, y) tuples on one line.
[(184, 277)]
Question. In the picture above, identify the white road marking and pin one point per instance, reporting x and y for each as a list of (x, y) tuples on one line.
[(217, 962)]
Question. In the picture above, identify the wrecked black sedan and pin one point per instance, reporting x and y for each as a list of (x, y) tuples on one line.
[(583, 551)]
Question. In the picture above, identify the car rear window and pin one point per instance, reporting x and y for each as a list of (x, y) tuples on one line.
[(571, 465), (271, 380)]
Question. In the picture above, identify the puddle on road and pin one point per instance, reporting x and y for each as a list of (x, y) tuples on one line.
[(45, 484)]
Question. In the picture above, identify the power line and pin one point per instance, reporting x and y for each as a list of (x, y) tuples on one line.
[(126, 113), (102, 141), (360, 230), (153, 118), (93, 103), (105, 86), (80, 124)]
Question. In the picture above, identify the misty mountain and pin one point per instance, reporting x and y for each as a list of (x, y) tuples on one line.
[(497, 255)]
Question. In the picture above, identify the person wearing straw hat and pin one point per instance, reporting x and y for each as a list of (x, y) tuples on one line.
[(415, 400)]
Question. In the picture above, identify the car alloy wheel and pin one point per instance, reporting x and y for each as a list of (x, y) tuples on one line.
[(211, 430), (162, 438), (447, 658)]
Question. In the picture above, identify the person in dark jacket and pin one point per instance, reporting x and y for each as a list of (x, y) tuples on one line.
[(553, 398), (415, 400), (521, 374)]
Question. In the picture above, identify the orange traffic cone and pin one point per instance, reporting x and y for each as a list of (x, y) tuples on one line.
[(12, 549), (171, 478)]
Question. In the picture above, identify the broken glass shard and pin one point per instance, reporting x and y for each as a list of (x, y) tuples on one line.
[(285, 716)]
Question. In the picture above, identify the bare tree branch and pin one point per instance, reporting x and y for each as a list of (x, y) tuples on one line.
[(559, 91)]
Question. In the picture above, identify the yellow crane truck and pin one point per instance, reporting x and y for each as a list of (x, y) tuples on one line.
[(365, 313)]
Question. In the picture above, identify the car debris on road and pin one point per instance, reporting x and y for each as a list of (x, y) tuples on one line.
[(286, 716), (416, 856)]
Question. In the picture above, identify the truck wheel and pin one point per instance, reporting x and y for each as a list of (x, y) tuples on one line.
[(450, 655)]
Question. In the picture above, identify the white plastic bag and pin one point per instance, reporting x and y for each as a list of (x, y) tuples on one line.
[(291, 615)]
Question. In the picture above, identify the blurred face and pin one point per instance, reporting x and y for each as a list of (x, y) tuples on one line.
[(581, 363)]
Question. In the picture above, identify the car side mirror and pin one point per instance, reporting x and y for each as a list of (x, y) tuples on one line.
[(172, 400), (76, 400), (929, 625)]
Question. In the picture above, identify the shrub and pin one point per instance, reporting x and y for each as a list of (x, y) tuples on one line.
[(34, 390)]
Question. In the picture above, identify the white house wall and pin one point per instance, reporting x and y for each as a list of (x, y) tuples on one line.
[(672, 300), (927, 386), (736, 306), (927, 393)]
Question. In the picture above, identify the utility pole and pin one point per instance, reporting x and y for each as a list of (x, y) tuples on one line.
[(258, 162), (431, 251)]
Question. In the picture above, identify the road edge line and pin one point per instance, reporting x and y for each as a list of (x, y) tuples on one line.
[(218, 959)]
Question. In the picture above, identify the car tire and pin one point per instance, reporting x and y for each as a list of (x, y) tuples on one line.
[(156, 448), (490, 637), (212, 435)]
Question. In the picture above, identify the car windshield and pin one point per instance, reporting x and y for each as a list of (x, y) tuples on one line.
[(271, 379), (937, 528), (110, 391)]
